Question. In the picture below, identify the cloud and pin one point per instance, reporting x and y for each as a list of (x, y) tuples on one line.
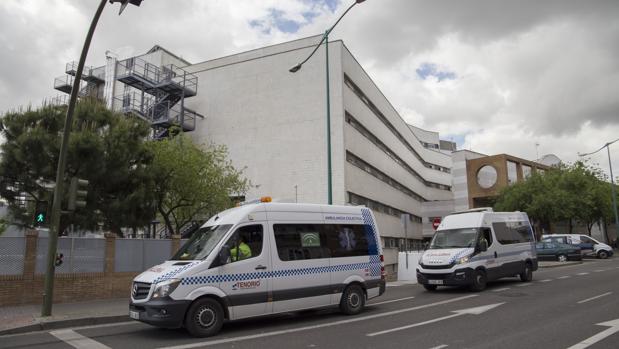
[(501, 74)]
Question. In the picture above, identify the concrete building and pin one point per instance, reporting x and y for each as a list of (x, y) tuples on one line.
[(273, 123)]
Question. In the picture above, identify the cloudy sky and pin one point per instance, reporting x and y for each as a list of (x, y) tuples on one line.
[(496, 76)]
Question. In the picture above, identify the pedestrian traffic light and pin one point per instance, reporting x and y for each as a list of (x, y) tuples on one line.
[(58, 261), (77, 193), (40, 213)]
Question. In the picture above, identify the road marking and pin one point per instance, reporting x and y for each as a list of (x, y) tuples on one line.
[(583, 273), (564, 277), (299, 329), (440, 346), (76, 340), (470, 311), (501, 289), (545, 280), (391, 301), (599, 270), (614, 327), (524, 284), (592, 298)]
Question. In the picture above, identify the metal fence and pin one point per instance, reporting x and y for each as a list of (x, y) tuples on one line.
[(80, 255), (140, 254), (12, 252)]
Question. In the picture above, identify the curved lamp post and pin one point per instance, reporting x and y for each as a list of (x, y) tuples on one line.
[(612, 181), (58, 189), (296, 68)]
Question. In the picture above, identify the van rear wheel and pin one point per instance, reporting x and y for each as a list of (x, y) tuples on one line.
[(353, 300), (204, 318)]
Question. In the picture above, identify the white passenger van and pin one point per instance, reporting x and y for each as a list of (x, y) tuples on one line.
[(476, 246), (264, 258)]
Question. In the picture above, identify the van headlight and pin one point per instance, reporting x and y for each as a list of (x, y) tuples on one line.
[(462, 260), (164, 288)]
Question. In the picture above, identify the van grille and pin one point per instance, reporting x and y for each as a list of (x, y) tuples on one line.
[(140, 290)]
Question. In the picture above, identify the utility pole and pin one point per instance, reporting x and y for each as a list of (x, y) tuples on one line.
[(59, 188)]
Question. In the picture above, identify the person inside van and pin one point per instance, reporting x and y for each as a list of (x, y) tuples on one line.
[(241, 250)]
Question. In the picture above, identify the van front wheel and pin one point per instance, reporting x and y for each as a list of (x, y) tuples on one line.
[(353, 300), (479, 281), (527, 273), (204, 318)]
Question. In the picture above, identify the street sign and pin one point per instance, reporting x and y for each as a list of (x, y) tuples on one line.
[(436, 222)]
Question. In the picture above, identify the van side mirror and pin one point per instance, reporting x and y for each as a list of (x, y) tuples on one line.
[(224, 255), (483, 246)]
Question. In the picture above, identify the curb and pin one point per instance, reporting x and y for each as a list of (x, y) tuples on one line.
[(46, 325), (558, 264)]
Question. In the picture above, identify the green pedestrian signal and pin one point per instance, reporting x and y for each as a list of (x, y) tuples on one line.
[(40, 213), (40, 218)]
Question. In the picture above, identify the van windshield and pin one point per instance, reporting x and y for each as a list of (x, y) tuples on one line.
[(202, 243), (455, 238)]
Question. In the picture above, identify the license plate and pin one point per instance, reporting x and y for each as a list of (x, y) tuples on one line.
[(135, 315), (435, 282)]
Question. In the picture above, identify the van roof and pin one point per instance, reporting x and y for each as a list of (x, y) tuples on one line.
[(235, 214)]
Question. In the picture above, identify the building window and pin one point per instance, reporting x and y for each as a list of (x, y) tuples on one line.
[(357, 91), (355, 199), (486, 176), (512, 172), (356, 161), (367, 134), (526, 171)]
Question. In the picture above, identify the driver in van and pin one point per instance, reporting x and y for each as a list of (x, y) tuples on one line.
[(241, 251)]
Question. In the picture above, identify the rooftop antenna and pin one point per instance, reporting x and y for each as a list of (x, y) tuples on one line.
[(536, 151)]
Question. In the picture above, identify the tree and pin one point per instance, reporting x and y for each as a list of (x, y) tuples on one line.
[(106, 148), (3, 225), (570, 193), (191, 182)]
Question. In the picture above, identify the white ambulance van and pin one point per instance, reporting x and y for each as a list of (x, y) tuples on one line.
[(264, 258), (476, 246)]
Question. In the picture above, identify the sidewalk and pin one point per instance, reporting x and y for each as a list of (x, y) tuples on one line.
[(27, 318)]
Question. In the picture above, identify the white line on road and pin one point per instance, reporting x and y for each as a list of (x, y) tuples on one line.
[(391, 301), (614, 327), (501, 289), (524, 284), (470, 311), (599, 270), (592, 298), (545, 280), (292, 330), (440, 346), (564, 277), (583, 273), (76, 340)]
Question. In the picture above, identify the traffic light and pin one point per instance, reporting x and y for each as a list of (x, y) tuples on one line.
[(77, 193), (40, 213), (58, 261), (124, 3)]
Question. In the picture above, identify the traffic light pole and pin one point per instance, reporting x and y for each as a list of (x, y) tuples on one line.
[(59, 189)]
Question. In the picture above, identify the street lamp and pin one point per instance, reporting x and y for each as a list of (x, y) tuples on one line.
[(612, 181), (296, 68), (58, 189)]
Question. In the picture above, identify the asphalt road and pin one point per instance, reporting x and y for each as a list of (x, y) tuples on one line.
[(574, 307)]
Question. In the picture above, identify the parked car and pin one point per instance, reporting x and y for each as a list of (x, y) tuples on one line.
[(555, 251), (587, 244)]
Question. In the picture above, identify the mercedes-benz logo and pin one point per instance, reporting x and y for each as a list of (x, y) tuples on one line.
[(134, 291)]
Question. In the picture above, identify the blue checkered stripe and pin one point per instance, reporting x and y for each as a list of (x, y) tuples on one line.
[(174, 272), (367, 220), (373, 266), (458, 255)]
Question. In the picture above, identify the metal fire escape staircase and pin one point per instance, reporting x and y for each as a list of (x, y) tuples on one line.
[(157, 94), (91, 85)]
